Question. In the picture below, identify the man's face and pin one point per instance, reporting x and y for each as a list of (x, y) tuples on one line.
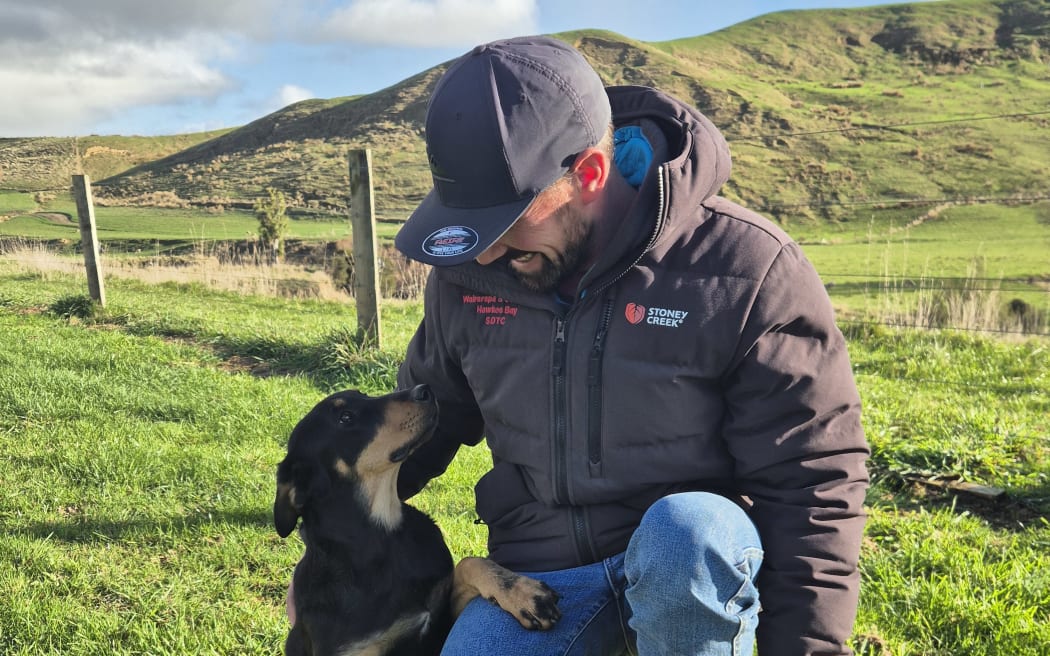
[(548, 243)]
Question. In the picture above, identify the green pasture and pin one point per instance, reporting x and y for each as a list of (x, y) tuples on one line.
[(139, 445), (57, 220), (1012, 242), (14, 202), (893, 265), (877, 261)]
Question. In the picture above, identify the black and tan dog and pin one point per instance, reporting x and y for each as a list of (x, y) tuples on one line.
[(376, 577)]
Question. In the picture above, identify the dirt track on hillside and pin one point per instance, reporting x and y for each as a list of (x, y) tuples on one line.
[(58, 218)]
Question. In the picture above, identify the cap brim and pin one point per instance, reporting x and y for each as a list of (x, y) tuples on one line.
[(446, 236)]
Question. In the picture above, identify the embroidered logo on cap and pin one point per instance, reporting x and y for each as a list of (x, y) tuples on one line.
[(450, 241)]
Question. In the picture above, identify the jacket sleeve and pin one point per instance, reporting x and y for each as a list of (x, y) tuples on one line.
[(793, 428), (428, 361)]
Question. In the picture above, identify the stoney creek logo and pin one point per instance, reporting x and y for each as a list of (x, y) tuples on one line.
[(635, 313), (654, 316)]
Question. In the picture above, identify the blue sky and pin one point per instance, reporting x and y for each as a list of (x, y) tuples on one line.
[(78, 67)]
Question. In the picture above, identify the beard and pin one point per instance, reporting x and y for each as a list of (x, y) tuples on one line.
[(553, 271)]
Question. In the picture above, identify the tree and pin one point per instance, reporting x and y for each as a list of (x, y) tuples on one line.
[(273, 222)]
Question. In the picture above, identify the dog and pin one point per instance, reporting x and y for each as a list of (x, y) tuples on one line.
[(377, 578)]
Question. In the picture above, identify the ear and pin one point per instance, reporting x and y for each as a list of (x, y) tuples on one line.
[(297, 485), (591, 169)]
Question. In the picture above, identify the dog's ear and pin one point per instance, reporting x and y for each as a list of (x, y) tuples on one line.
[(297, 484), (285, 514)]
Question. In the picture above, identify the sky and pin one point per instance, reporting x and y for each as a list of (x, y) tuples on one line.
[(157, 67)]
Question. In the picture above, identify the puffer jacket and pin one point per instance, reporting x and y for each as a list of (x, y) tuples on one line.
[(700, 353)]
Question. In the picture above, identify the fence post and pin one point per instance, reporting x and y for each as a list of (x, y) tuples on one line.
[(363, 231), (89, 237)]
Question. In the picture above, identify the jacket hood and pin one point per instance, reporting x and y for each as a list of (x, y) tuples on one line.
[(690, 164), (696, 156)]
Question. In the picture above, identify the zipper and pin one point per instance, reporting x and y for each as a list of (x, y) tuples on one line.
[(661, 173), (585, 551), (559, 402), (594, 392), (581, 530)]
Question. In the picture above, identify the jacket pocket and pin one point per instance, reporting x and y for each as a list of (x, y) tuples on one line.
[(501, 496)]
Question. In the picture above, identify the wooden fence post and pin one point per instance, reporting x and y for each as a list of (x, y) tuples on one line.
[(89, 237), (363, 231)]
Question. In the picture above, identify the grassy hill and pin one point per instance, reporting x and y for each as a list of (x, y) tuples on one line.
[(830, 114), (44, 164)]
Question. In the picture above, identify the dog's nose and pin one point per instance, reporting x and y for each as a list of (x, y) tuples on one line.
[(421, 393)]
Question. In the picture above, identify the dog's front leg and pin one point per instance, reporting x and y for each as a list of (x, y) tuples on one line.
[(533, 603), (295, 643)]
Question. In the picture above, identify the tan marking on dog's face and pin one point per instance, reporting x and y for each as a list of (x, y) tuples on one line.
[(338, 403), (403, 423), (342, 468)]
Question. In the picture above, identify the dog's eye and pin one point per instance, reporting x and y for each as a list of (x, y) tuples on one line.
[(347, 417)]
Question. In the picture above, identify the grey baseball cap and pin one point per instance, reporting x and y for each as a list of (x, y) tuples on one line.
[(505, 121)]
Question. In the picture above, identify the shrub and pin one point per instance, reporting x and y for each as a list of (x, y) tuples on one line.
[(273, 221)]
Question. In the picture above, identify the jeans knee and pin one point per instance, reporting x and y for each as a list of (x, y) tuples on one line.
[(683, 531), (691, 566)]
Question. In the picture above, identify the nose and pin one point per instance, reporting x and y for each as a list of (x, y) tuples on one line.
[(491, 254), (421, 393)]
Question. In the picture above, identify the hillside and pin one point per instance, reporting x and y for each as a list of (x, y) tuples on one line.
[(45, 163), (827, 112)]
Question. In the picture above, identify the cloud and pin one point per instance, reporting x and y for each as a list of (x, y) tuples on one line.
[(69, 65), (289, 94), (433, 23), (66, 90), (136, 20)]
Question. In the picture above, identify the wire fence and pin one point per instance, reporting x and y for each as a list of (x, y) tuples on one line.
[(331, 279)]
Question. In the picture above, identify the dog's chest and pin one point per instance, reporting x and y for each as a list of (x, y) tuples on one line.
[(380, 642)]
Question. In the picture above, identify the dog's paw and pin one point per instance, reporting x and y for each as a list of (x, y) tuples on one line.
[(536, 602), (532, 603)]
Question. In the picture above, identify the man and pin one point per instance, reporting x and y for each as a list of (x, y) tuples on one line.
[(674, 425)]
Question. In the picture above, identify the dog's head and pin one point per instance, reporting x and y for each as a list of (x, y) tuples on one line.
[(349, 436)]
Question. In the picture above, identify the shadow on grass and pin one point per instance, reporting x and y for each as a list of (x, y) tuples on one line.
[(1015, 510), (85, 530), (339, 361)]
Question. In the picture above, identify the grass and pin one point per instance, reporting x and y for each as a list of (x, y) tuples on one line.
[(943, 238), (876, 263), (139, 444), (57, 220), (890, 264)]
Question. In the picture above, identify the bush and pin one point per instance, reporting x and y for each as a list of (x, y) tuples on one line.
[(79, 306), (273, 221)]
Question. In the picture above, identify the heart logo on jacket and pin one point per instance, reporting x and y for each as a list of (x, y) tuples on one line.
[(634, 312)]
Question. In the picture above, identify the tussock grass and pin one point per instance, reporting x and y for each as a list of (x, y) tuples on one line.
[(212, 267)]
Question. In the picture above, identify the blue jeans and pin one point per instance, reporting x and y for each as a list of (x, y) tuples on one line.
[(685, 585)]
